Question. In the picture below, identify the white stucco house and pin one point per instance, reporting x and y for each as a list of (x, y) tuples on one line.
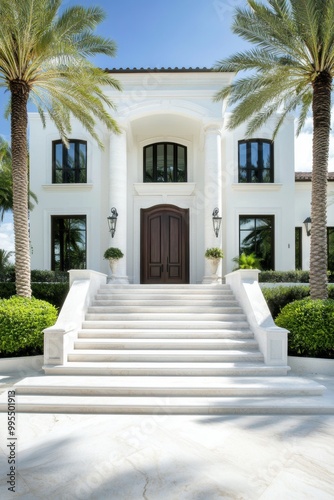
[(174, 163)]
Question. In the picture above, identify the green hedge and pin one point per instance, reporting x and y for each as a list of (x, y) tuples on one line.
[(55, 293), (37, 276), (22, 322), (279, 296), (289, 277), (311, 327)]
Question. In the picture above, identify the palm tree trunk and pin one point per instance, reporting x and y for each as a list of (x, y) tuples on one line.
[(19, 124), (321, 107)]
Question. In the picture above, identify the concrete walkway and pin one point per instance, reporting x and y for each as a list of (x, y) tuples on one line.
[(166, 457)]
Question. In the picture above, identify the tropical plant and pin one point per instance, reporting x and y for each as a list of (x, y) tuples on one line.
[(44, 58), (6, 191), (6, 180), (249, 261), (113, 253), (5, 262), (292, 68), (214, 253)]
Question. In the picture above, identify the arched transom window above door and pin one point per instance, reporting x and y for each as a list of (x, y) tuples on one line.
[(165, 162)]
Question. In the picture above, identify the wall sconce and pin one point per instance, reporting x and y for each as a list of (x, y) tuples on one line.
[(308, 223), (112, 221), (216, 221)]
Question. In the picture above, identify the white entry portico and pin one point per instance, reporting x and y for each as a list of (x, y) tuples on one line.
[(175, 150)]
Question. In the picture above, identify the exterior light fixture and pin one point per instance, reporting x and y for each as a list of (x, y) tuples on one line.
[(216, 221), (112, 221), (308, 223)]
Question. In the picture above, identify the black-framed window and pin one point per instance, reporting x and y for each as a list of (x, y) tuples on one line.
[(257, 235), (68, 242), (256, 160), (298, 248), (330, 249), (165, 162), (69, 165)]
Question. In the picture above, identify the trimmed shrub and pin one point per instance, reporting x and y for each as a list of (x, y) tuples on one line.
[(289, 276), (7, 289), (311, 326), (284, 276), (55, 293), (22, 322), (38, 276), (279, 296)]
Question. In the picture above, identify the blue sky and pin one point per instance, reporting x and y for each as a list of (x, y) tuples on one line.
[(165, 33), (156, 33)]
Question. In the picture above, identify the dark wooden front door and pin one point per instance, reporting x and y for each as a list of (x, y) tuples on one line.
[(164, 245)]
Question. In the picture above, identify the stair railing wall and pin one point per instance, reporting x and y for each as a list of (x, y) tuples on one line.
[(272, 339), (59, 338)]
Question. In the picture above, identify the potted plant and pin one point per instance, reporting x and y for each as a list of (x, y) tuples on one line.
[(214, 255), (113, 254)]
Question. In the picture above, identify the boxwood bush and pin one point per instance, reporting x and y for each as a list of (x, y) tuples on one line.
[(22, 322), (279, 296), (297, 276), (311, 327)]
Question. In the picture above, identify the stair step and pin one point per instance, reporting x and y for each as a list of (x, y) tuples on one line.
[(164, 309), (159, 316), (171, 386), (135, 333), (160, 300), (166, 343), (174, 405), (198, 369), (162, 356), (187, 288), (165, 325)]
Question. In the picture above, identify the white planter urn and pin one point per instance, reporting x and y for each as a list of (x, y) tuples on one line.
[(214, 263), (113, 263)]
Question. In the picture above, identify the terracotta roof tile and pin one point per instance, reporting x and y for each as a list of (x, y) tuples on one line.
[(159, 70), (307, 176)]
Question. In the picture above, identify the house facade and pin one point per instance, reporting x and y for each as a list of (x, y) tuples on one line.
[(174, 164)]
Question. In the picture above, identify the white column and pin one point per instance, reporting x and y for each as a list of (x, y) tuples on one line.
[(212, 191), (118, 199)]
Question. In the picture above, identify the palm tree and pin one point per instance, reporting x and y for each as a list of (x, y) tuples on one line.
[(44, 58), (292, 67), (6, 181)]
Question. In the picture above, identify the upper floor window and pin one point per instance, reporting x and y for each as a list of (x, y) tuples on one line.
[(256, 161), (165, 162), (69, 165)]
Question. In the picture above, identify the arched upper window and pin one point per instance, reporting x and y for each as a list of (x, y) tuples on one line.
[(165, 162), (256, 160), (69, 165)]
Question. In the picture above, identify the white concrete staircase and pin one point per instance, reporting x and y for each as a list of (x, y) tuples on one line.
[(177, 349)]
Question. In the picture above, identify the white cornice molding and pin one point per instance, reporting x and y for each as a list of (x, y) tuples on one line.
[(170, 188)]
